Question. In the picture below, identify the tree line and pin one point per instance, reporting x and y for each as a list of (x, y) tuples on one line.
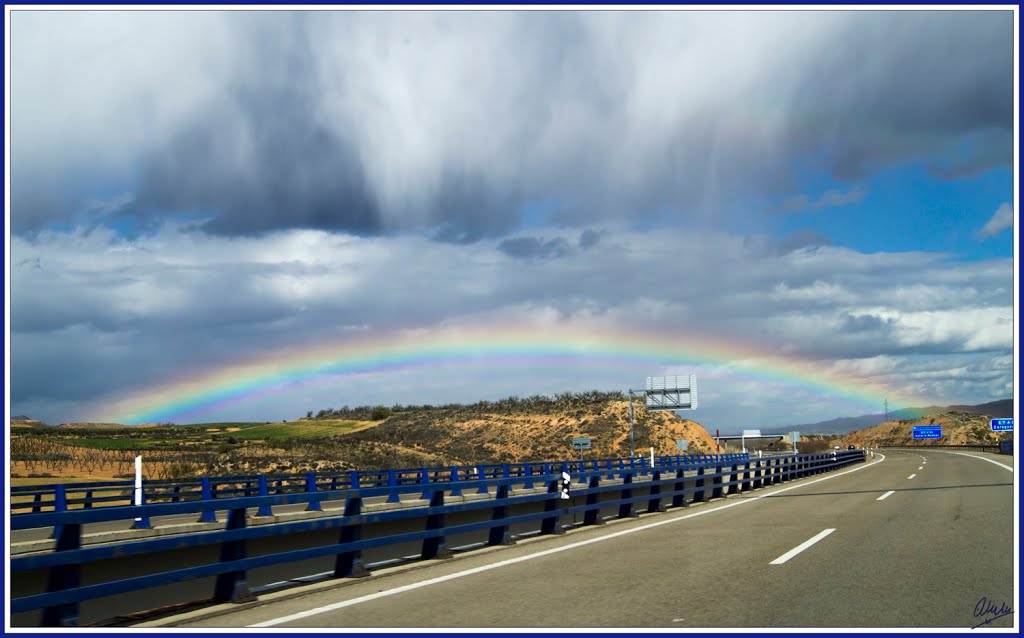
[(564, 400)]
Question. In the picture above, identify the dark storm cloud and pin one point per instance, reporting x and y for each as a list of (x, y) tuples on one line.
[(589, 238), (450, 123), (899, 85), (262, 161)]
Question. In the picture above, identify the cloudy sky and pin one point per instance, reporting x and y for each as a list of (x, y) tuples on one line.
[(188, 190)]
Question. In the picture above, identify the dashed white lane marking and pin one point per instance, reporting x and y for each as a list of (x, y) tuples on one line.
[(886, 495), (802, 546), (912, 476), (920, 468), (483, 568)]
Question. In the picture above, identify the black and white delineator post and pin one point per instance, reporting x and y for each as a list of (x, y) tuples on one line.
[(665, 393), (138, 483), (566, 482)]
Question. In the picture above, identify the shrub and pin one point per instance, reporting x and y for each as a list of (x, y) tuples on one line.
[(180, 470)]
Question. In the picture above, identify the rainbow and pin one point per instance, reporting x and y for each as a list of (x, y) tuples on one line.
[(556, 347)]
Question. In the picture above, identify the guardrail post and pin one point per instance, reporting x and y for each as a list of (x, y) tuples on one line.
[(698, 495), (143, 521), (456, 491), (37, 504), (679, 499), (232, 586), (552, 524), (654, 505), (482, 475), (210, 515), (735, 477), (499, 534), (745, 484), (611, 470), (312, 506), (627, 510), (392, 482), (591, 514), (353, 479), (350, 563), (60, 504), (716, 482), (63, 577), (528, 484), (425, 482), (434, 546), (263, 510), (88, 500)]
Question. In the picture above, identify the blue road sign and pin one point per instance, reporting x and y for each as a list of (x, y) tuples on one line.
[(927, 431), (1002, 425)]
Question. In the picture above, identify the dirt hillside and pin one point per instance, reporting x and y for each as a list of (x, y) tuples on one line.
[(500, 436), (958, 428)]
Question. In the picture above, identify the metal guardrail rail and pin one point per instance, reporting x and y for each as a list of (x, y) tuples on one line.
[(651, 489), (58, 497), (994, 448)]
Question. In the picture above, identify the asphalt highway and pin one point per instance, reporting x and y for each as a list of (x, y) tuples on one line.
[(906, 540)]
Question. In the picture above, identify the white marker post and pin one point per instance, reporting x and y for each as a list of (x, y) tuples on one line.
[(652, 457), (138, 483)]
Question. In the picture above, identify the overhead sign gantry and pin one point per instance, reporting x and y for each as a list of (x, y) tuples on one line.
[(665, 393)]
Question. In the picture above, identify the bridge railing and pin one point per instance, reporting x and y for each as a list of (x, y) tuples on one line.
[(995, 448), (39, 498), (634, 489)]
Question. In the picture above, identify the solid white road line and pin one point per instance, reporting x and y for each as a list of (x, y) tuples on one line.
[(801, 547), (911, 476), (886, 495), (974, 456), (483, 568)]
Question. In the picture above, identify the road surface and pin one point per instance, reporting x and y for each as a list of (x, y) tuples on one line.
[(908, 539)]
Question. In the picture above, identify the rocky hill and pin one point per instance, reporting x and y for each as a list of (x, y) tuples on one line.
[(958, 428), (498, 434)]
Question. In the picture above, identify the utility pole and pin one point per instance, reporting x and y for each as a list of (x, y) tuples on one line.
[(887, 408)]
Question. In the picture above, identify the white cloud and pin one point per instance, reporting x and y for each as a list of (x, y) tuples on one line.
[(1000, 221), (149, 309), (831, 198)]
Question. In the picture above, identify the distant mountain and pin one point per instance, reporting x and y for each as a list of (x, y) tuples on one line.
[(845, 425), (22, 421)]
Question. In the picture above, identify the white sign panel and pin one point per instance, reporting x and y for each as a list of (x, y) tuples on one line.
[(671, 393)]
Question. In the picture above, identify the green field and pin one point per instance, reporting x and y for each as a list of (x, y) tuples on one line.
[(113, 443), (297, 429)]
